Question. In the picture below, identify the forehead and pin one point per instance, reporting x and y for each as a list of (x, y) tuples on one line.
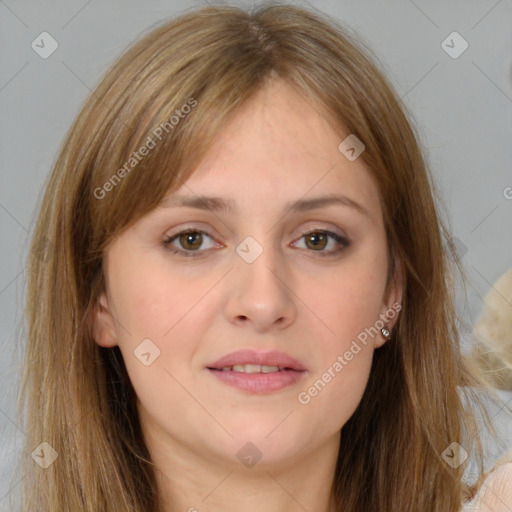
[(280, 147)]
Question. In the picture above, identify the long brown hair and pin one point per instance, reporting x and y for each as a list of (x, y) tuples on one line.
[(77, 395)]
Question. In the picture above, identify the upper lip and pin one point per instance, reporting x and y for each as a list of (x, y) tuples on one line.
[(248, 356)]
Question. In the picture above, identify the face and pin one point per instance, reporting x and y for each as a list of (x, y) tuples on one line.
[(299, 290)]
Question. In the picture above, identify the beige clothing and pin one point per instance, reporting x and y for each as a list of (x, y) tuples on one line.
[(495, 494)]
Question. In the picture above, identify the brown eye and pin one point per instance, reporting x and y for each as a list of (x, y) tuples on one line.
[(192, 240), (189, 243), (316, 240)]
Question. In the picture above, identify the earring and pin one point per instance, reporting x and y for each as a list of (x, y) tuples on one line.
[(385, 332)]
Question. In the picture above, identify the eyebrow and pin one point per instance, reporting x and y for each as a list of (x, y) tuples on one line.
[(218, 204)]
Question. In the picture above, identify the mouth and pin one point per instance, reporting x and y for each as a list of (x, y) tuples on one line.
[(257, 372), (252, 368)]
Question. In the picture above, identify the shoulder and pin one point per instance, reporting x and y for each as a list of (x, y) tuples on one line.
[(495, 494)]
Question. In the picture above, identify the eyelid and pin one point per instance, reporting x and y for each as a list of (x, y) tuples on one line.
[(343, 241), (193, 227), (168, 239)]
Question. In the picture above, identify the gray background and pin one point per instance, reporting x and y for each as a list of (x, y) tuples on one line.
[(462, 108)]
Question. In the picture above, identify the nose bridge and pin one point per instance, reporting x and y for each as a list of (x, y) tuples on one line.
[(260, 293), (259, 262)]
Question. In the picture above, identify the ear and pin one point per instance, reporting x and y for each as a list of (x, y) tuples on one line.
[(103, 326), (392, 303)]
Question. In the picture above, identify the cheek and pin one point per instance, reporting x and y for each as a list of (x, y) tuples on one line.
[(332, 394), (349, 304), (158, 303), (349, 299), (152, 300)]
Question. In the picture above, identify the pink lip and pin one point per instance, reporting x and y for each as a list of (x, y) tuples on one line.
[(291, 371), (259, 382), (248, 356)]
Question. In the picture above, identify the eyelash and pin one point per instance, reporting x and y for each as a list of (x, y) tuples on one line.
[(344, 242)]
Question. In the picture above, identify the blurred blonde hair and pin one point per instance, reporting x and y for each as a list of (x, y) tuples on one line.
[(492, 334), (77, 395)]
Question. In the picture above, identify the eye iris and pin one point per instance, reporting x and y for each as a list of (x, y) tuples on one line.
[(319, 240), (191, 237)]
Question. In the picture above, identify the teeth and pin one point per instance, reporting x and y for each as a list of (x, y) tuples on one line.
[(269, 369), (247, 368), (251, 368)]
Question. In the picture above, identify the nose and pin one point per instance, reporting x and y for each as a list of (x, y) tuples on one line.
[(260, 292)]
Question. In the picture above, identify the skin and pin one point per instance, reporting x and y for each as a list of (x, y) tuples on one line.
[(276, 149), (495, 495)]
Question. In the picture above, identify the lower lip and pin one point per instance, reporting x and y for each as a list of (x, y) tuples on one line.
[(259, 382)]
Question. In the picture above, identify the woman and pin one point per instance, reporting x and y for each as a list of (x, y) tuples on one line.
[(246, 281)]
